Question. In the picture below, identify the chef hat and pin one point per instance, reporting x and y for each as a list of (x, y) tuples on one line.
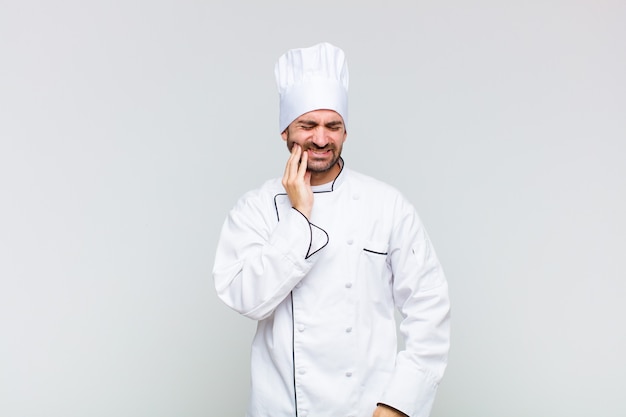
[(311, 79)]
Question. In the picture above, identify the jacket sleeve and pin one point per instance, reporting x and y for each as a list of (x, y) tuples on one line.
[(260, 259), (421, 295)]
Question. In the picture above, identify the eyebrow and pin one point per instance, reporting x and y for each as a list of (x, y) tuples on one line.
[(334, 123), (312, 123)]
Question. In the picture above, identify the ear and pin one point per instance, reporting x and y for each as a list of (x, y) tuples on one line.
[(285, 135)]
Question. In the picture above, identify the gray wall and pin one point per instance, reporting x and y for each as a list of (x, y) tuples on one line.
[(129, 128)]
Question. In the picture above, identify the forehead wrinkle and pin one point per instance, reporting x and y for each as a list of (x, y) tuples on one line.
[(313, 122)]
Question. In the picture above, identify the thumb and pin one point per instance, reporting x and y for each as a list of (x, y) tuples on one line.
[(307, 178)]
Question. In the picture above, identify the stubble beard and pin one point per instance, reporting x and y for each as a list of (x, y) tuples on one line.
[(315, 166)]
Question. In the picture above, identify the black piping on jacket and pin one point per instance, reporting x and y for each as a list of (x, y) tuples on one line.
[(307, 256)]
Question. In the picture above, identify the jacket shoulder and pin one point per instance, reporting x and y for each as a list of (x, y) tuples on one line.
[(260, 199), (374, 186)]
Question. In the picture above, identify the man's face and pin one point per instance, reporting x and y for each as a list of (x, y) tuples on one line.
[(321, 134)]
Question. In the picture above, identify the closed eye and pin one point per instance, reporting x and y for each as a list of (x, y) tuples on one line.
[(307, 125), (334, 126)]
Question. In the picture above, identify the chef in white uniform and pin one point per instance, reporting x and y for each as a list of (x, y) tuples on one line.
[(321, 259)]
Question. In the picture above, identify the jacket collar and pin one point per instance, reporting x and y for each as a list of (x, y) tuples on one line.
[(334, 184)]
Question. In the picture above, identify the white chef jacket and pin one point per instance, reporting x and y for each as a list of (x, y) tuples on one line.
[(324, 293)]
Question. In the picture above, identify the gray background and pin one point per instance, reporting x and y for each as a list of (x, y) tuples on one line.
[(129, 128)]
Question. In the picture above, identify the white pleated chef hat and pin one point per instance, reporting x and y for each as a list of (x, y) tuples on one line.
[(312, 79)]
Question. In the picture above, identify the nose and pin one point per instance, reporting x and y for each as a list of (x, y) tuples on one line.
[(320, 136)]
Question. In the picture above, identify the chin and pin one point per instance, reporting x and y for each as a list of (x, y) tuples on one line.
[(321, 167)]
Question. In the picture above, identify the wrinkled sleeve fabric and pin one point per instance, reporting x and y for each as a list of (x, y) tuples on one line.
[(420, 294), (259, 259)]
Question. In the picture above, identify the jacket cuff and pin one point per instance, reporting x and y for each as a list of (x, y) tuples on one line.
[(298, 238), (411, 392)]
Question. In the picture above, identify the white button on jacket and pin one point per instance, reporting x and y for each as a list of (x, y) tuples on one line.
[(302, 348)]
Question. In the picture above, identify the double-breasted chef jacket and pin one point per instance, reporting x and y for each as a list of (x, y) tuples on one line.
[(324, 292)]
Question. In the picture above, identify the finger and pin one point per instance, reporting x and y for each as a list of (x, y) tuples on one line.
[(295, 159), (294, 149), (292, 162), (303, 164)]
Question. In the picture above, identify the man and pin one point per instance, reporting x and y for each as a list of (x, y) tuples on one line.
[(322, 259)]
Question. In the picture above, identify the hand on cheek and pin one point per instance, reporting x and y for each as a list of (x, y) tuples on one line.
[(297, 181)]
